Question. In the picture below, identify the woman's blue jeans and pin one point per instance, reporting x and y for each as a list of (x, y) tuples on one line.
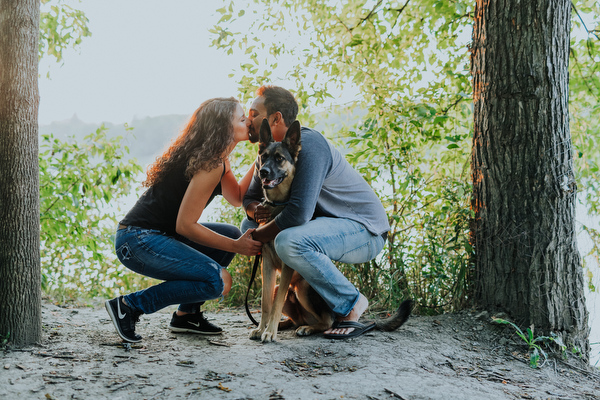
[(191, 273), (309, 249)]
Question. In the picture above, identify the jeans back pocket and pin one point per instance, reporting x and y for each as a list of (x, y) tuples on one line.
[(129, 259)]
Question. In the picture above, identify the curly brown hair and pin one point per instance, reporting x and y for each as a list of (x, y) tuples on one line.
[(201, 144)]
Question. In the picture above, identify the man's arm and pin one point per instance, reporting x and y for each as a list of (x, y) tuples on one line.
[(314, 164), (266, 232)]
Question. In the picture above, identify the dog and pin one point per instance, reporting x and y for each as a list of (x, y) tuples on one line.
[(294, 297)]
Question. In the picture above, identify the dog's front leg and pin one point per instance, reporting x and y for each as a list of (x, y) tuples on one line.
[(270, 334), (269, 275)]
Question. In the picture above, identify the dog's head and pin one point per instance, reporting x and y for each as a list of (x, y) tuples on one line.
[(278, 161)]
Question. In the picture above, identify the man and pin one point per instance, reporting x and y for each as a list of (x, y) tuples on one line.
[(332, 214)]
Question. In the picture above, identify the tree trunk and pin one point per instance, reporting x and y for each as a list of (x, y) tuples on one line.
[(20, 293), (526, 257)]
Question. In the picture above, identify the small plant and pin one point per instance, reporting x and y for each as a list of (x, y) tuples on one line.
[(4, 340), (535, 350), (576, 351)]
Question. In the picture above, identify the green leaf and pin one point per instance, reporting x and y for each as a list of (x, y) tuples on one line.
[(225, 18), (534, 358), (530, 335)]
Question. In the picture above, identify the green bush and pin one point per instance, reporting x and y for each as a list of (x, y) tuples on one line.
[(80, 183)]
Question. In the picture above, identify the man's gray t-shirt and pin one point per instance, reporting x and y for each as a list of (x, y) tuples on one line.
[(325, 185)]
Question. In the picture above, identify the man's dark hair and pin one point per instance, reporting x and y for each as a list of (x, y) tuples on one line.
[(279, 99)]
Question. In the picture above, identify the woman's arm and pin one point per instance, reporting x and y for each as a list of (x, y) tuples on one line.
[(194, 201), (232, 190)]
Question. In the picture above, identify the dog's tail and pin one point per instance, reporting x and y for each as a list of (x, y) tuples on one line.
[(396, 320)]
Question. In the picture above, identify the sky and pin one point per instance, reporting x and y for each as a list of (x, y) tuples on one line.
[(143, 59)]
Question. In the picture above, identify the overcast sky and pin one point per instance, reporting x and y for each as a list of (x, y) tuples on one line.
[(144, 58)]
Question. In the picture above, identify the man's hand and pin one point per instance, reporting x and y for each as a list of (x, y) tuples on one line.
[(266, 232), (259, 213)]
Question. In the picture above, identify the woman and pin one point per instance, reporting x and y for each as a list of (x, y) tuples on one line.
[(161, 237)]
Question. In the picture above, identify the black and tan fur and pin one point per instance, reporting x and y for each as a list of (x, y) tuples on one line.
[(294, 297)]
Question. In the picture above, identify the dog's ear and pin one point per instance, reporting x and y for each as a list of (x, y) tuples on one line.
[(265, 137), (292, 139)]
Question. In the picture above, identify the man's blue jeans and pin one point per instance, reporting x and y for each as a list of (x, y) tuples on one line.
[(191, 272), (309, 249)]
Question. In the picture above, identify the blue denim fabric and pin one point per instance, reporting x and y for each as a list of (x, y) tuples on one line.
[(191, 272), (248, 223), (309, 249)]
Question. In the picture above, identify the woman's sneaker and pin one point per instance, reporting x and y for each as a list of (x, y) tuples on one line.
[(124, 319), (193, 323)]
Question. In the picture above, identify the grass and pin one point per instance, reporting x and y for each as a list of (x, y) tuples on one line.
[(4, 340)]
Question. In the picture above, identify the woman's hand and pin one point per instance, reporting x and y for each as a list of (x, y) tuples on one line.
[(247, 246)]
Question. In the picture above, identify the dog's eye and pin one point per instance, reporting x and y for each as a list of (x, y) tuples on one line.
[(278, 158)]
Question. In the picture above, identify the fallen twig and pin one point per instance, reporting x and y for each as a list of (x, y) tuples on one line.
[(218, 343), (121, 387), (581, 370), (394, 393), (60, 376)]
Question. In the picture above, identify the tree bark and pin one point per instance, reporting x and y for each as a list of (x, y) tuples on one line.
[(526, 257), (20, 292)]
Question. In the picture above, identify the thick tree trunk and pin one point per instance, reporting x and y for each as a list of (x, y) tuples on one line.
[(20, 293), (527, 261)]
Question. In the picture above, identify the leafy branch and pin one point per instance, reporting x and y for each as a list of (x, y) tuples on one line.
[(77, 183), (590, 32)]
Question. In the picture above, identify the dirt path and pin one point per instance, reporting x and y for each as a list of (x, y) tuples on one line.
[(455, 356)]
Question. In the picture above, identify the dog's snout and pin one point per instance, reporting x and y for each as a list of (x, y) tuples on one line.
[(264, 172)]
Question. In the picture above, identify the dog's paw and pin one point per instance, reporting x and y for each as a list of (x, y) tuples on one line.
[(256, 334), (268, 336), (305, 330)]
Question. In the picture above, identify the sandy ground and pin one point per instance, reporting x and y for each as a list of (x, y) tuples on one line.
[(454, 356)]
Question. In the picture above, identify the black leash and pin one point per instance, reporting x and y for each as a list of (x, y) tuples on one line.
[(254, 269)]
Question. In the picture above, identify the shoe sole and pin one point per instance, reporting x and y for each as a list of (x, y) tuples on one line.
[(359, 329), (115, 322), (187, 330)]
